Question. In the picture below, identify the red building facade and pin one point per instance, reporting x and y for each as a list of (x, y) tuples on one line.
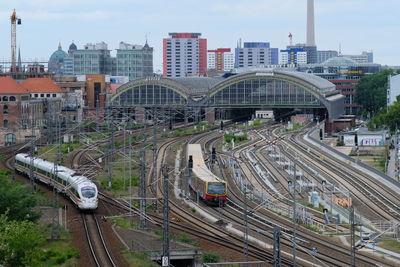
[(184, 54)]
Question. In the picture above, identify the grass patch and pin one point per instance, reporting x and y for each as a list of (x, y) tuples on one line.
[(312, 228), (295, 127), (124, 222), (119, 183), (185, 238), (391, 245), (138, 259)]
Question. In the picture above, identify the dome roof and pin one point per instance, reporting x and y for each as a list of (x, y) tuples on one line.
[(58, 56), (339, 61)]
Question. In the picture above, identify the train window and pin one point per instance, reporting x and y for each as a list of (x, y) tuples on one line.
[(88, 192), (216, 188)]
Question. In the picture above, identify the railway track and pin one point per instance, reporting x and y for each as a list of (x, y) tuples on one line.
[(378, 198), (325, 251), (98, 247)]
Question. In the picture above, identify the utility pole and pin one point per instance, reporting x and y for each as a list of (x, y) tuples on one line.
[(142, 189), (246, 229), (130, 178), (166, 252), (294, 215), (277, 246), (111, 152), (352, 237), (32, 153), (97, 114), (55, 223)]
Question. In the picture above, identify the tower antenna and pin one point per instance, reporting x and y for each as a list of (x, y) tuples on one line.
[(310, 23), (290, 39)]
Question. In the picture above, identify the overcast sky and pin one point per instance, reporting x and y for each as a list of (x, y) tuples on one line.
[(358, 25)]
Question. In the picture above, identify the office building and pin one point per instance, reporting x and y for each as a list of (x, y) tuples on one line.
[(220, 60), (256, 54), (345, 74), (311, 51), (364, 57), (184, 54), (294, 56), (92, 59), (394, 89), (324, 55), (134, 61)]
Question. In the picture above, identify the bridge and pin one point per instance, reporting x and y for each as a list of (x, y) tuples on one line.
[(258, 89)]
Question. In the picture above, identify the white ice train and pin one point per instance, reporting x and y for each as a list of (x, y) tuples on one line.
[(78, 188)]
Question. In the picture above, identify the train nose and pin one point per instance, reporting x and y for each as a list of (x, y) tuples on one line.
[(91, 203)]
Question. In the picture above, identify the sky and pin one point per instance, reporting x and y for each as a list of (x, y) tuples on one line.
[(354, 25)]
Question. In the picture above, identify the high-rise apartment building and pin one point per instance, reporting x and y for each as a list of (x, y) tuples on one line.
[(255, 54), (293, 56), (134, 61), (184, 54), (221, 59)]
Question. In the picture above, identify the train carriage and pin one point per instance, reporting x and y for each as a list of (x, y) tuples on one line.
[(78, 188), (210, 187)]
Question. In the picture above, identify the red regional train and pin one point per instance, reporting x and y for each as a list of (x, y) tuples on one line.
[(210, 188)]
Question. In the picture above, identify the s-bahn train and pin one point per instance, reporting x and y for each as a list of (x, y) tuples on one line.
[(78, 188), (210, 188)]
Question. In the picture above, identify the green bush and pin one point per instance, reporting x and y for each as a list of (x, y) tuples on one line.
[(237, 138), (210, 257)]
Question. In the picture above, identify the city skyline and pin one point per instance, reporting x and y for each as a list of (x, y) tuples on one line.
[(222, 23)]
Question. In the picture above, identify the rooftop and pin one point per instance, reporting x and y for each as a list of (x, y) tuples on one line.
[(41, 85), (10, 86)]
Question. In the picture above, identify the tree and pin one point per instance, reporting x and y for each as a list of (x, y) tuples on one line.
[(20, 242), (389, 118), (15, 199), (371, 92)]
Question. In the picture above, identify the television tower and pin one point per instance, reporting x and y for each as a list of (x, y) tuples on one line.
[(310, 23), (14, 21)]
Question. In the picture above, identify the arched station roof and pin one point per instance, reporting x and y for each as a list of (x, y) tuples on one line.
[(256, 88)]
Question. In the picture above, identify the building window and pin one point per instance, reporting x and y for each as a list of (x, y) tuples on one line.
[(9, 139), (5, 109), (36, 95), (5, 123), (54, 95), (48, 95), (5, 98), (12, 98)]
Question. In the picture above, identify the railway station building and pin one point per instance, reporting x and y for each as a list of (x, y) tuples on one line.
[(231, 96)]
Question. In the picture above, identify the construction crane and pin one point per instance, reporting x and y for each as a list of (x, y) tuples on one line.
[(14, 21)]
